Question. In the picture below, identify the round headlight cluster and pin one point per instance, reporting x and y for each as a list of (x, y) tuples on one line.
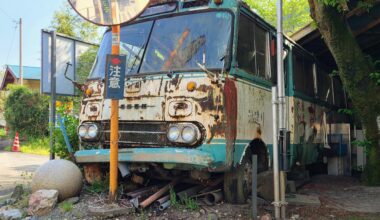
[(183, 133), (88, 131)]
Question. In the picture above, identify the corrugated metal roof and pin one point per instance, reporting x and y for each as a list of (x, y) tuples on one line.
[(29, 72)]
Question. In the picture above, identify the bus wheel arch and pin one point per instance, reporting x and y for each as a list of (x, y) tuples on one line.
[(238, 180)]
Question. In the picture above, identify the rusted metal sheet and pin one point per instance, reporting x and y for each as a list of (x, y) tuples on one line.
[(230, 103)]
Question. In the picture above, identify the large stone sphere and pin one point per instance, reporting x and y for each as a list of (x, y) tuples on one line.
[(61, 175)]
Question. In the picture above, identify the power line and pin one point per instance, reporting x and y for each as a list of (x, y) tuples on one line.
[(7, 15), (11, 46)]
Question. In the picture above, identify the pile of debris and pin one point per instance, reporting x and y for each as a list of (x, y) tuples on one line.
[(159, 197)]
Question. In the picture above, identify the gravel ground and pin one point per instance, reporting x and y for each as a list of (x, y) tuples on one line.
[(338, 196)]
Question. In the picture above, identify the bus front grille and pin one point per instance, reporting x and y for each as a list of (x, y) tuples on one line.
[(138, 134)]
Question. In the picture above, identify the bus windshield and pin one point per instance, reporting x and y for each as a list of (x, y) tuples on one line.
[(179, 43)]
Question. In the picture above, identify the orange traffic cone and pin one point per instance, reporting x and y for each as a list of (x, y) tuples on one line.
[(16, 144)]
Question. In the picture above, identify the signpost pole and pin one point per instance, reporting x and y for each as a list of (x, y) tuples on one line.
[(53, 92), (114, 148)]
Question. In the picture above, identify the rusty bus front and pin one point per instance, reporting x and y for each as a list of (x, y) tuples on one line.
[(179, 106)]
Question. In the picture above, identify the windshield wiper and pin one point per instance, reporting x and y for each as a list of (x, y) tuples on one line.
[(137, 57)]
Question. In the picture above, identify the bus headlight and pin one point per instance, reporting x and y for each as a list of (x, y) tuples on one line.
[(88, 131), (173, 133), (82, 131), (93, 131), (189, 134)]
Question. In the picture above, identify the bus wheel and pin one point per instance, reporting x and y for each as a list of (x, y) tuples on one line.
[(238, 181)]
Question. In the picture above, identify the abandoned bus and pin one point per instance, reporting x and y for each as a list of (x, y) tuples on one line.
[(197, 97)]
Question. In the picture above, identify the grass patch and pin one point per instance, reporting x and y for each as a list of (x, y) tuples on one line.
[(173, 199), (189, 203), (66, 206), (3, 133), (99, 186), (36, 146), (8, 148)]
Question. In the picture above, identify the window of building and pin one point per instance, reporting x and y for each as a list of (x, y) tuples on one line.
[(303, 74)]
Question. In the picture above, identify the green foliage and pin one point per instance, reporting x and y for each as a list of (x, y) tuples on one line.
[(85, 62), (66, 206), (36, 146), (173, 199), (190, 203), (346, 111), (66, 21), (71, 123), (26, 112), (99, 186), (2, 133), (375, 77), (296, 13)]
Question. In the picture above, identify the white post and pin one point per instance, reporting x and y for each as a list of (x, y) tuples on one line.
[(281, 99), (276, 175)]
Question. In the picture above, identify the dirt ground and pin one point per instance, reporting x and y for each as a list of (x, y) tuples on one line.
[(340, 197), (17, 168)]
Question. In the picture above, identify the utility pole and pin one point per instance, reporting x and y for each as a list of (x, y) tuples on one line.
[(21, 69)]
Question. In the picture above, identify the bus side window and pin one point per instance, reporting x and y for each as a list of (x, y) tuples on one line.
[(324, 91), (253, 48), (303, 74)]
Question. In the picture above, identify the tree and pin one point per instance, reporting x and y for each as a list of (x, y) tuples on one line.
[(355, 70), (65, 21), (25, 111), (296, 13)]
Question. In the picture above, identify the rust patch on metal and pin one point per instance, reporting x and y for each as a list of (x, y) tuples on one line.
[(203, 88), (230, 103), (175, 80), (159, 89)]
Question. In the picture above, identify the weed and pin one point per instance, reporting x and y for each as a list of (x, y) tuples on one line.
[(99, 186), (66, 206), (173, 199), (8, 148), (190, 203)]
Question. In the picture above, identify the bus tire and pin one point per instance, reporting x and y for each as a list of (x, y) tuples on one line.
[(238, 181)]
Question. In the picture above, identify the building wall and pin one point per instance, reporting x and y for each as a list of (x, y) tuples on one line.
[(32, 84)]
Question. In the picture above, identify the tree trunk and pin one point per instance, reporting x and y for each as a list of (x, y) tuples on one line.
[(354, 70)]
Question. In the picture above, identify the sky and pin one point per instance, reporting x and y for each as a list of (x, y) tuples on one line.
[(36, 15)]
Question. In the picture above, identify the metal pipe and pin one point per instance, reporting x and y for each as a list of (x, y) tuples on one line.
[(282, 196), (281, 96), (114, 147), (188, 192), (143, 191), (213, 198), (164, 205), (159, 202), (53, 91), (254, 186), (158, 194), (276, 174)]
